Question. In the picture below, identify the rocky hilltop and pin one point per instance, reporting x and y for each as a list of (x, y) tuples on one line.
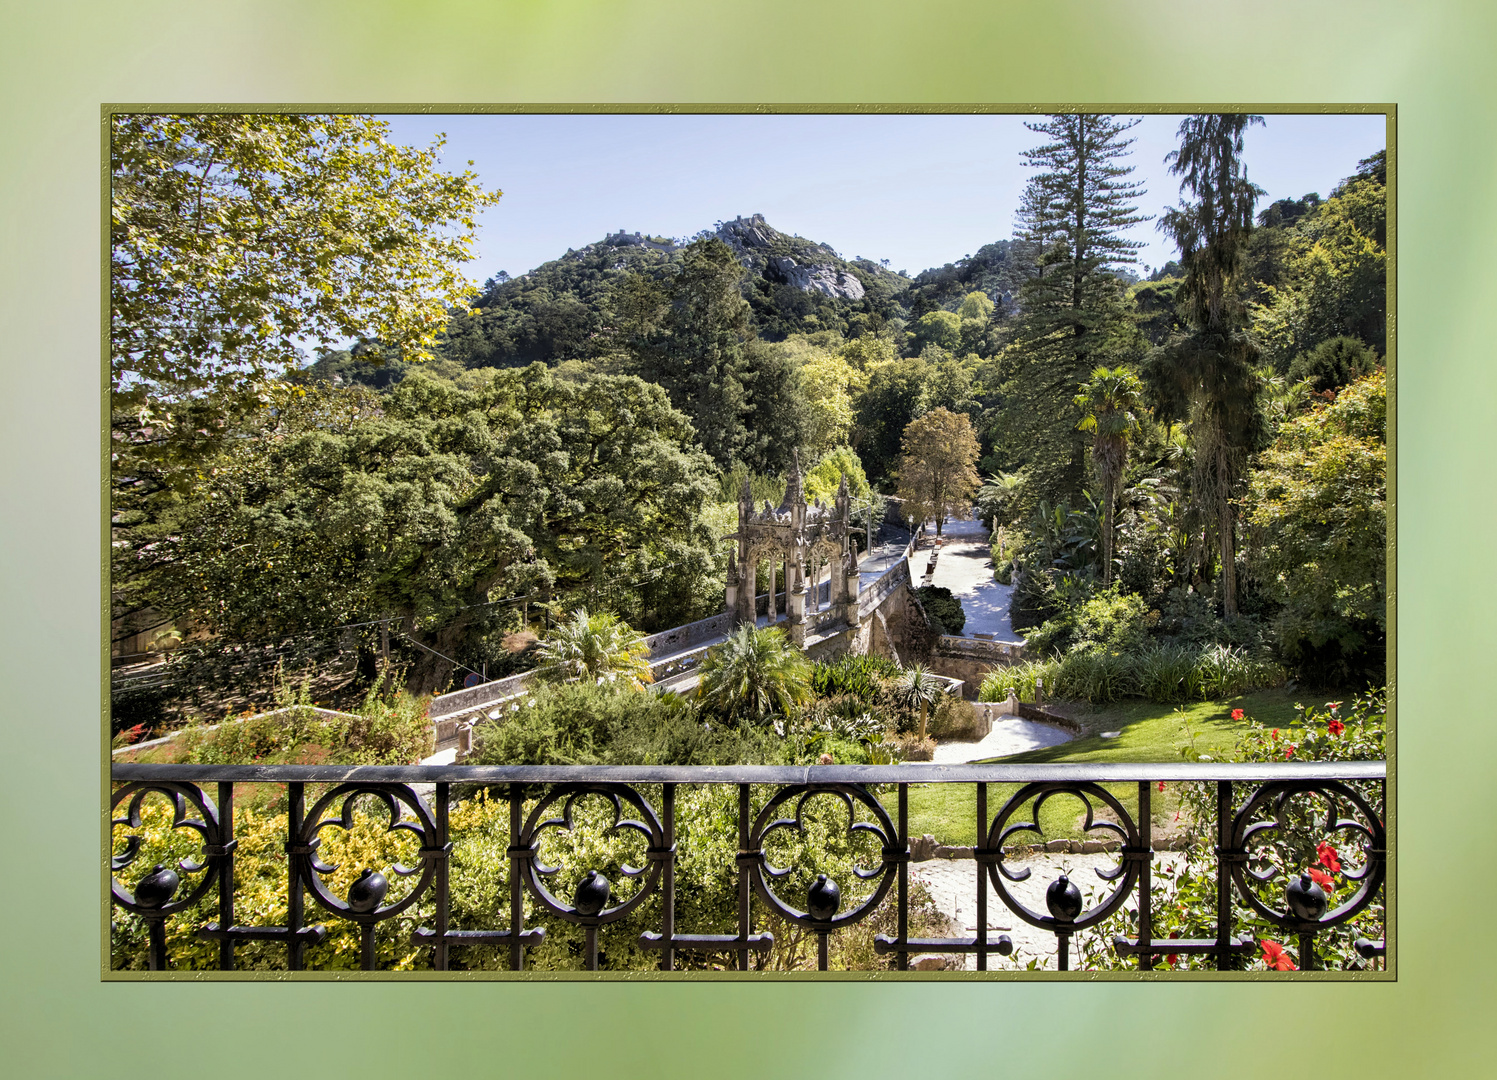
[(790, 260)]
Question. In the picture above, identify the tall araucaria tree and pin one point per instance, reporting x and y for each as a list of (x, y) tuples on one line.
[(1109, 399), (1074, 217), (1207, 376)]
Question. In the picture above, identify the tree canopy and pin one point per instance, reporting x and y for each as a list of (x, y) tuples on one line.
[(1073, 217), (1318, 508), (236, 237), (433, 504), (938, 469)]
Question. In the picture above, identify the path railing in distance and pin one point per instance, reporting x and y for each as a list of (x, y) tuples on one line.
[(1269, 820)]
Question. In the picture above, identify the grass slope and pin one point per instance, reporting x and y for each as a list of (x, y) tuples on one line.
[(1149, 732)]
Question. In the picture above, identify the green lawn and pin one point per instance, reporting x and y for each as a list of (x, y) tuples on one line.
[(1150, 732)]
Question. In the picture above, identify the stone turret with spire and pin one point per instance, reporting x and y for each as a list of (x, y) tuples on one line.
[(797, 540)]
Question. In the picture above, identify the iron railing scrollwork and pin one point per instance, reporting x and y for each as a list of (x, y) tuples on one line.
[(1268, 819)]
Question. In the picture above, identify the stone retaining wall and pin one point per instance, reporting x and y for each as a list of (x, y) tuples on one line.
[(970, 659)]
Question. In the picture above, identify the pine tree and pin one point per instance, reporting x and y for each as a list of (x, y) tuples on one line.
[(1209, 376), (1073, 217)]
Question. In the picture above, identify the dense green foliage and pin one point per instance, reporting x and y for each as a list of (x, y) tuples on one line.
[(595, 648), (1318, 504), (1162, 671), (430, 503), (584, 723), (938, 468), (942, 609), (754, 676), (232, 236)]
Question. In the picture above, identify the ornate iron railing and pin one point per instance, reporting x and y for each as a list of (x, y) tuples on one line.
[(1255, 813)]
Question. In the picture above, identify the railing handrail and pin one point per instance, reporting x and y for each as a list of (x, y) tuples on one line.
[(909, 773)]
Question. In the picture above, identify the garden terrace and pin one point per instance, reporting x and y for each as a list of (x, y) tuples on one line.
[(597, 855)]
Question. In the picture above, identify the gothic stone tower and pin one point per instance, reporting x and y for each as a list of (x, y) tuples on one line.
[(811, 544)]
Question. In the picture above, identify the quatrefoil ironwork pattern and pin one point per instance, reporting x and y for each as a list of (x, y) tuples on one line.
[(1121, 877), (881, 829), (1265, 817), (646, 824)]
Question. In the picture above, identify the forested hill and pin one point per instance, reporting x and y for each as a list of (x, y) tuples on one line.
[(792, 285), (998, 269)]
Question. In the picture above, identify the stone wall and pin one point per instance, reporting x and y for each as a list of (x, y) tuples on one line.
[(480, 697), (970, 659), (680, 638)]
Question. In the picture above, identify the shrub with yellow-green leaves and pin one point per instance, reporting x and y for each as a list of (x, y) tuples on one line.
[(706, 885)]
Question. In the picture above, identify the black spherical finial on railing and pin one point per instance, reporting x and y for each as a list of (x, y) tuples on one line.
[(156, 889), (365, 894), (1063, 899), (1307, 900), (823, 899), (592, 894)]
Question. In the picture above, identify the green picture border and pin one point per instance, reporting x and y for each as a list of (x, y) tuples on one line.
[(60, 60)]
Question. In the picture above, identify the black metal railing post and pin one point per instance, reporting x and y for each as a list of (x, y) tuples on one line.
[(744, 859), (296, 807), (981, 842), (1145, 873), (1224, 856), (226, 873), (439, 955), (516, 884), (668, 883), (902, 956)]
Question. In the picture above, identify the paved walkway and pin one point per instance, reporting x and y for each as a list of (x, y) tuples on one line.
[(1010, 735), (964, 566), (889, 543)]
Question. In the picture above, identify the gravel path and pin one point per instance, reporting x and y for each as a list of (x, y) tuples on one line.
[(953, 886)]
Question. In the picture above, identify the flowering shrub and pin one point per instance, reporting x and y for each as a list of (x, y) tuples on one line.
[(1184, 885)]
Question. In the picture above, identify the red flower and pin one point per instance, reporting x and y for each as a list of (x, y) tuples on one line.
[(1323, 879), (1161, 785), (1275, 958), (1329, 856), (1173, 958), (1238, 714), (1288, 753), (1335, 727), (1275, 734)]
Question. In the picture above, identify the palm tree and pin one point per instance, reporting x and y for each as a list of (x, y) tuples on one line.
[(918, 685), (1108, 400), (596, 647), (998, 499), (755, 674)]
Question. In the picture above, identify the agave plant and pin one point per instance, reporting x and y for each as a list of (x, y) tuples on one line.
[(597, 647)]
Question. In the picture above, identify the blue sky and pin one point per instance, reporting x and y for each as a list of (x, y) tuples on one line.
[(919, 191)]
